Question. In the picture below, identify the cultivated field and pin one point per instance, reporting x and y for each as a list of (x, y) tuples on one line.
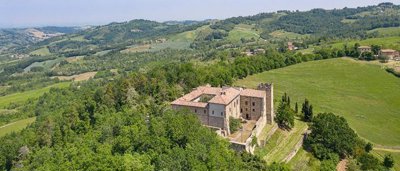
[(365, 94), (243, 31), (78, 77), (389, 31), (15, 126), (386, 42), (281, 34), (41, 52), (22, 97)]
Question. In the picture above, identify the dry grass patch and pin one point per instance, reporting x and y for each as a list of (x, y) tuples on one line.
[(78, 77)]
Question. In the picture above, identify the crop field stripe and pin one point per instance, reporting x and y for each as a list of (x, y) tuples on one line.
[(15, 126)]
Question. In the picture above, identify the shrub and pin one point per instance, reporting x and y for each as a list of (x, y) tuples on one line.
[(234, 124)]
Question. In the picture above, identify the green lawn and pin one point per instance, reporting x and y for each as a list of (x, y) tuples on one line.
[(15, 126), (21, 97), (366, 95)]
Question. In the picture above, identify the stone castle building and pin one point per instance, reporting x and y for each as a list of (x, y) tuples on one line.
[(214, 106)]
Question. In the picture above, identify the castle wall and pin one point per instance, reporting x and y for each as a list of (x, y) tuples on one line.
[(269, 105), (202, 113), (251, 108), (233, 108)]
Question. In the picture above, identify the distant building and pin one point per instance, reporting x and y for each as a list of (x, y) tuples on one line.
[(251, 52), (392, 54), (363, 49), (259, 51), (291, 46)]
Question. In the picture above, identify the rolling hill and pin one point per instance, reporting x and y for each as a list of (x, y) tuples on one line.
[(366, 95)]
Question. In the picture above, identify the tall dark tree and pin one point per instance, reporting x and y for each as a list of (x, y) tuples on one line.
[(368, 147), (307, 111), (285, 114), (388, 161), (296, 108)]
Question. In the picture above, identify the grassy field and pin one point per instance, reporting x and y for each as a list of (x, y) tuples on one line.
[(243, 31), (396, 156), (304, 161), (22, 97), (281, 34), (47, 65), (390, 31), (282, 143), (15, 126), (386, 42), (42, 52), (366, 95)]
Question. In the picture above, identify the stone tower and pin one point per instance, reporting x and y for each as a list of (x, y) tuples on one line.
[(269, 105)]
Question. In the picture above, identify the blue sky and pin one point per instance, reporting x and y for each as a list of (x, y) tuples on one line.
[(21, 13)]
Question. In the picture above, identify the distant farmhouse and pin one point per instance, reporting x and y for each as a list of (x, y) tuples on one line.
[(215, 107), (392, 54), (291, 46), (363, 49)]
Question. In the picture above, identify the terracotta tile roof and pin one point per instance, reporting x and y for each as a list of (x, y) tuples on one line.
[(225, 96), (221, 95), (253, 93), (388, 50), (179, 102)]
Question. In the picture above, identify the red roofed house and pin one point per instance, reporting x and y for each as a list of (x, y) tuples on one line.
[(392, 54), (214, 105)]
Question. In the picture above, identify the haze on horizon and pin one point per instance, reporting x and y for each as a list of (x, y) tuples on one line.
[(28, 13)]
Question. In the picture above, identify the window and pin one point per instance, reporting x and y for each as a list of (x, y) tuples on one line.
[(213, 112), (241, 109), (195, 111), (246, 109), (245, 103), (254, 110), (222, 113), (254, 103), (205, 111)]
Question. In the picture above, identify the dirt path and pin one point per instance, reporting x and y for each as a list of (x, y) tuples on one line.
[(6, 125), (387, 149), (341, 165)]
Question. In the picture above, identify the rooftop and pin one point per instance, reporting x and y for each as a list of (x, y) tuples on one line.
[(388, 50), (220, 96), (364, 47), (217, 95)]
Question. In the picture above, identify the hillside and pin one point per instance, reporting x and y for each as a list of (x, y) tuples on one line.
[(363, 93)]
